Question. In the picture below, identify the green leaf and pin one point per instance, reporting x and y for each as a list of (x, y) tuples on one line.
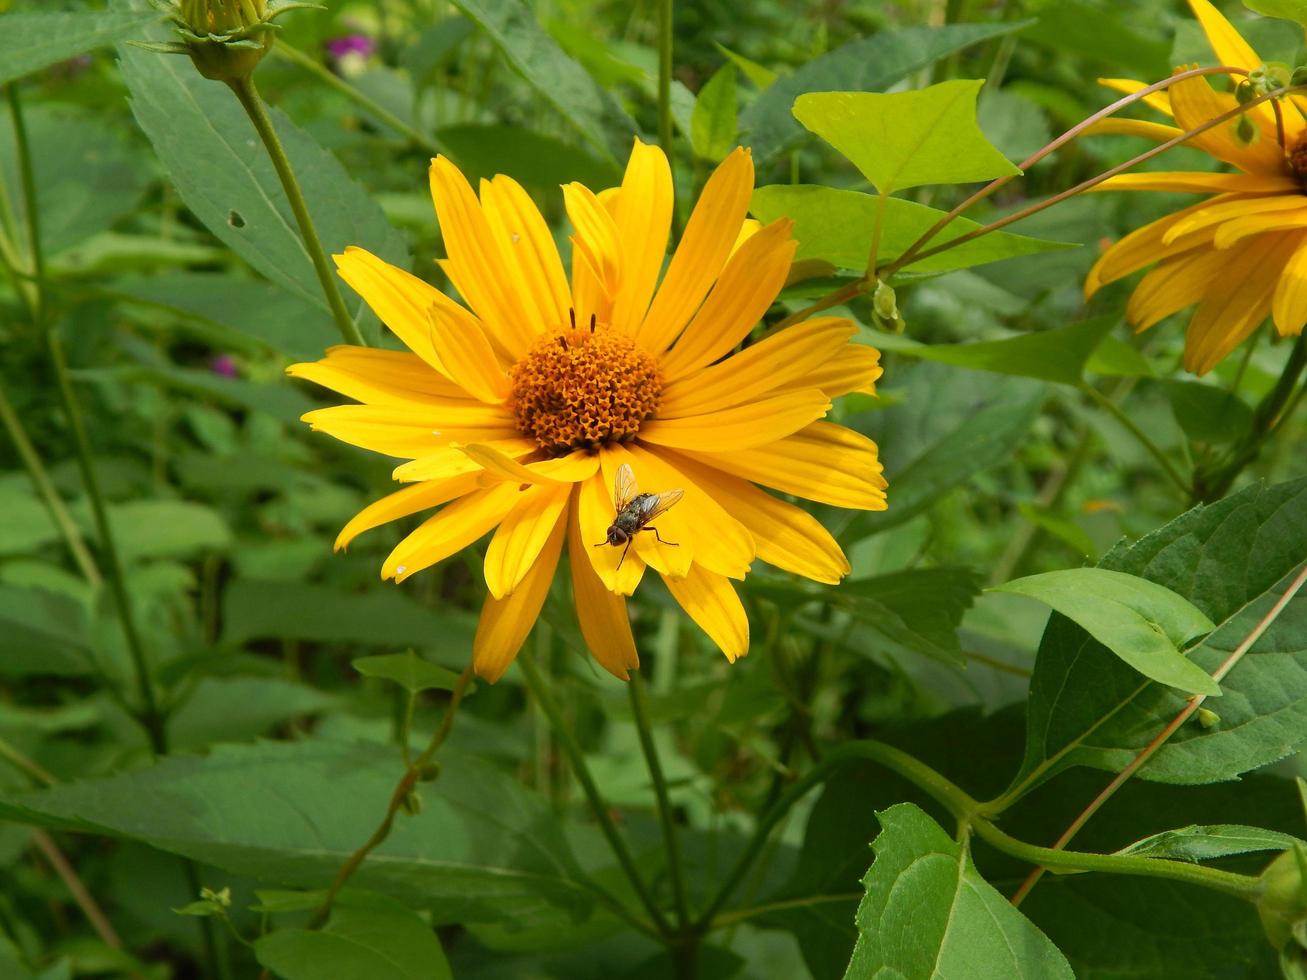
[(1145, 624), (917, 610), (870, 64), (713, 124), (32, 41), (1233, 560), (1207, 413), (1199, 843), (219, 167), (42, 633), (408, 670), (381, 617), (483, 848), (1294, 10), (1057, 355), (164, 528), (928, 913), (368, 937), (907, 139), (565, 85), (1063, 528), (754, 72), (836, 225), (535, 160), (25, 523), (237, 709)]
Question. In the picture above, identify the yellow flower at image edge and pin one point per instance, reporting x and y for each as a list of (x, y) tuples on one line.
[(1239, 255), (516, 416)]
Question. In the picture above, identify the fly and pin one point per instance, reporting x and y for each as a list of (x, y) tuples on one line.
[(635, 510)]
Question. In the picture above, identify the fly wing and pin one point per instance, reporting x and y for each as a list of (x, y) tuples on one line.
[(624, 488), (661, 503)]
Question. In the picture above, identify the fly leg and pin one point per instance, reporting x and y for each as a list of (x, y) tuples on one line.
[(659, 536), (624, 551)]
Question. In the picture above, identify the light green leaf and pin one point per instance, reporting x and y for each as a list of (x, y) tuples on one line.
[(1143, 623), (211, 151), (408, 670), (868, 64), (1233, 560), (33, 41), (1294, 10), (1063, 528), (906, 139), (1050, 355), (368, 937), (596, 114), (837, 225), (713, 124), (1199, 843), (164, 528), (928, 913), (754, 72)]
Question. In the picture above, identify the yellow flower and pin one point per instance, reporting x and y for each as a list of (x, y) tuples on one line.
[(1241, 253), (515, 416)]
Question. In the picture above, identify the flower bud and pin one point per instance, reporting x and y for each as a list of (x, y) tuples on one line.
[(225, 39), (1282, 906)]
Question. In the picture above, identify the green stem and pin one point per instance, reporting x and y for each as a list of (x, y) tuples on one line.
[(248, 97), (874, 255), (665, 40), (29, 767), (572, 749), (367, 103), (40, 477), (640, 710), (1129, 424)]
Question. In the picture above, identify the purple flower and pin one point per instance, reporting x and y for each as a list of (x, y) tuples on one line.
[(225, 365), (347, 44)]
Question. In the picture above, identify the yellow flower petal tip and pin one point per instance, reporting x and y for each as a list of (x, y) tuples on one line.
[(611, 410)]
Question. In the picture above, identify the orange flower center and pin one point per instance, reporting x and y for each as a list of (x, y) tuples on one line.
[(1298, 158), (583, 388)]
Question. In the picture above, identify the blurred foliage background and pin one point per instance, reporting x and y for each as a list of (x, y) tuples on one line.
[(179, 311)]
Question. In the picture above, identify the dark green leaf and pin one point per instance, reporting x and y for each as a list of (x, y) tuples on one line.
[(368, 937), (1208, 413), (564, 84), (237, 709), (1233, 560), (42, 633), (1145, 624), (408, 670), (870, 64), (928, 913), (918, 610), (533, 159), (713, 124), (905, 139), (836, 226), (33, 41)]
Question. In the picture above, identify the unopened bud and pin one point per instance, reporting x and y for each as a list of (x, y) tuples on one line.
[(413, 803), (1282, 906), (1245, 132), (428, 772), (225, 39), (1208, 718)]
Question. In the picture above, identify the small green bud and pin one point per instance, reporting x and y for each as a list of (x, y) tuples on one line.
[(1245, 132), (222, 898), (1244, 92), (226, 39), (413, 803), (1299, 76), (884, 302), (1282, 906), (429, 772), (1208, 718)]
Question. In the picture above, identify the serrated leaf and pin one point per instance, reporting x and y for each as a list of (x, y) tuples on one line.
[(869, 64), (210, 149), (408, 670), (906, 139), (564, 84), (1204, 843), (929, 913), (1143, 623), (368, 937), (1057, 355), (837, 226), (1233, 560), (713, 123), (32, 41)]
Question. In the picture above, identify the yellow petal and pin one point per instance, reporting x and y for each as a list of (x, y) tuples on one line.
[(1201, 183), (1173, 285), (376, 376), (597, 246), (784, 535), (402, 503), (750, 228), (748, 285), (1215, 214), (742, 427), (499, 466), (1230, 47), (478, 261), (1158, 132), (857, 368), (517, 222), (407, 431), (775, 362), (451, 529), (453, 459), (711, 602), (398, 298), (709, 234), (1289, 307), (467, 355), (1128, 86), (1195, 102), (823, 462), (1142, 247), (602, 615), (708, 531), (1233, 232), (595, 512), (1236, 302), (505, 623), (642, 213), (522, 535)]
